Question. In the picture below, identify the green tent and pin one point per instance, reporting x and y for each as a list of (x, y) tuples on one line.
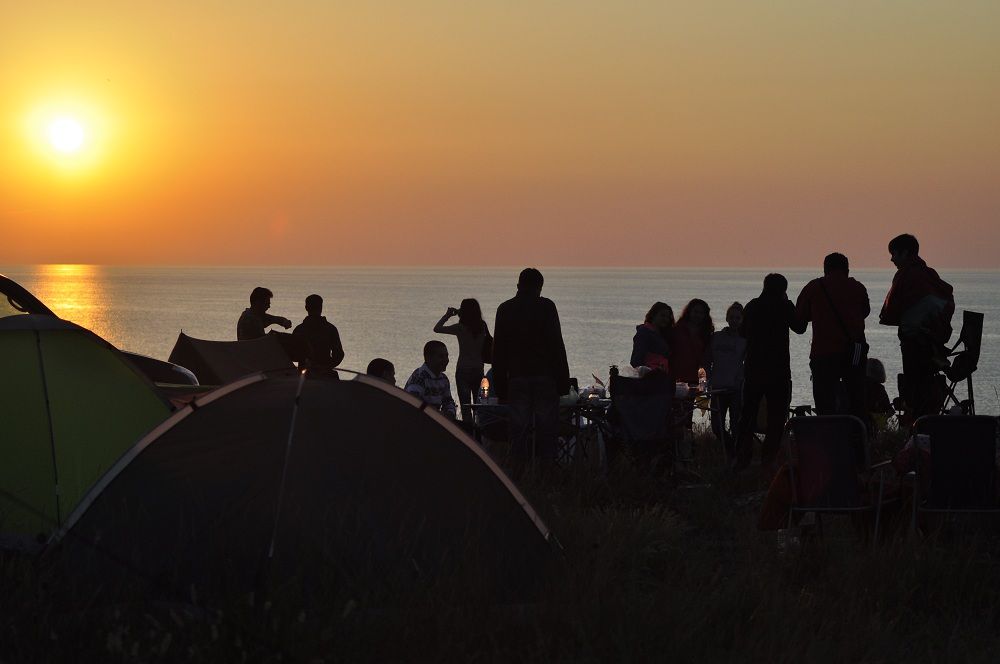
[(70, 405)]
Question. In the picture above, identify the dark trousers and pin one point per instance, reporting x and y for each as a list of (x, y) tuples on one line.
[(731, 403), (467, 384), (534, 419), (778, 393), (833, 375), (920, 388)]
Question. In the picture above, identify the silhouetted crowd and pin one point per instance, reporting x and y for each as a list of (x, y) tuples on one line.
[(743, 369)]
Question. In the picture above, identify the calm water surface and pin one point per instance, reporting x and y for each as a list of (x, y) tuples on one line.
[(390, 312)]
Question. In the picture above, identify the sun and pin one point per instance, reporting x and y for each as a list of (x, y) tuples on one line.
[(66, 135)]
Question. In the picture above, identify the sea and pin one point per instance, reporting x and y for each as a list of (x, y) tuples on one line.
[(390, 312)]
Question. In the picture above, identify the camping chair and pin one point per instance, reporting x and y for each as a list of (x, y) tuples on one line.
[(640, 417), (962, 474), (826, 454), (964, 363)]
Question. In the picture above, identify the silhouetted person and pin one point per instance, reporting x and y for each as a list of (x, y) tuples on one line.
[(430, 383), (921, 304), (255, 319), (324, 348), (877, 403), (724, 369), (650, 345), (530, 368), (688, 340), (767, 372), (836, 304), (473, 339), (382, 369), (651, 349)]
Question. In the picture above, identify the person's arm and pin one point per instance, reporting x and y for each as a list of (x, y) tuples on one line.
[(707, 359), (440, 326), (794, 324), (803, 305), (415, 385), (336, 348), (560, 364), (892, 307), (864, 304), (276, 320), (638, 350), (500, 351), (448, 405)]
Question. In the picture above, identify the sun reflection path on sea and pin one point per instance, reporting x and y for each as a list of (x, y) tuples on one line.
[(77, 293)]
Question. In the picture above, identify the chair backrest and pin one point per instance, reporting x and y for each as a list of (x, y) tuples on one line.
[(966, 361), (642, 406), (963, 451), (827, 452)]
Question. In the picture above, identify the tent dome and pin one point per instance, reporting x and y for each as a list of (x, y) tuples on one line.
[(287, 478), (70, 405)]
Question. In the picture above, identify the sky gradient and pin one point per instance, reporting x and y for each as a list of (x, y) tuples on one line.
[(549, 133)]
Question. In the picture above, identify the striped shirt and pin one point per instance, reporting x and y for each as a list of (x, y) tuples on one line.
[(432, 390)]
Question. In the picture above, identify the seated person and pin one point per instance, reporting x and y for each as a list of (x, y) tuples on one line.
[(877, 402), (254, 319), (382, 369), (324, 348), (430, 383)]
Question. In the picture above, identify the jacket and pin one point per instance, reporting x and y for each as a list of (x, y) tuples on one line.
[(766, 322), (527, 342), (849, 296)]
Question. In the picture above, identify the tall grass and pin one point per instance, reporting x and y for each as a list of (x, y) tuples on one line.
[(649, 571)]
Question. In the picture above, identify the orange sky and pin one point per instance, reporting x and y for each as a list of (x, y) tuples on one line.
[(550, 133)]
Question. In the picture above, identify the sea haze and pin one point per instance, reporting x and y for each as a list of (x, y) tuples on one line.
[(390, 312)]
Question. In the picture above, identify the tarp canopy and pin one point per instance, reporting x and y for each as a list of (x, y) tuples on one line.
[(219, 362), (70, 405), (306, 481)]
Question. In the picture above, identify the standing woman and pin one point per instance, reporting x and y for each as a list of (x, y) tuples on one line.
[(475, 346), (650, 344), (689, 340)]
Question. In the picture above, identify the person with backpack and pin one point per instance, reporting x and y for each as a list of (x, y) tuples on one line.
[(475, 348), (921, 304)]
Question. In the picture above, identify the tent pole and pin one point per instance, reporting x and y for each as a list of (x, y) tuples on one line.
[(52, 435), (284, 467)]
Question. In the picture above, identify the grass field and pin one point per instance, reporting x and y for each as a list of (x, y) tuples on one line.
[(649, 571)]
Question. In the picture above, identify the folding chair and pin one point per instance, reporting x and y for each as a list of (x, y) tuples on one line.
[(961, 468), (826, 455), (640, 414), (964, 363)]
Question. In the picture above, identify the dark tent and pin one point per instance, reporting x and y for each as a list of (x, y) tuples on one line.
[(307, 483), (219, 362)]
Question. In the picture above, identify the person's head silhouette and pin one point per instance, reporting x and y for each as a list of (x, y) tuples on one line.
[(314, 305), (903, 250), (382, 369), (836, 263), (775, 284), (260, 299), (530, 281), (436, 356)]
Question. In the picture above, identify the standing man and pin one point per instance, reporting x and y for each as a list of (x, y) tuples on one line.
[(325, 350), (254, 319), (921, 305), (767, 369), (836, 304), (530, 368)]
